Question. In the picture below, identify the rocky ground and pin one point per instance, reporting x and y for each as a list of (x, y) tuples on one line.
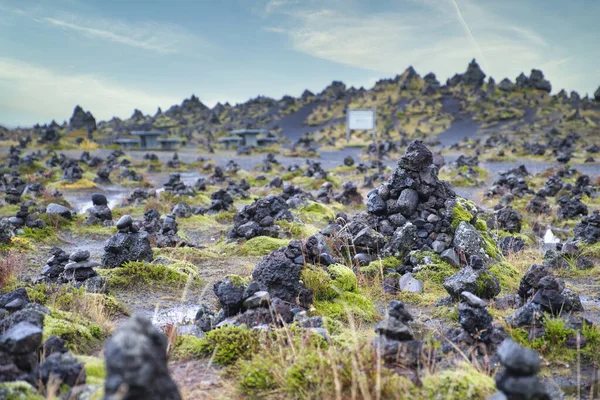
[(442, 268)]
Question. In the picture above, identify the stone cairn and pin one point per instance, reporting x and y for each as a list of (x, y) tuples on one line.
[(588, 230), (23, 218), (54, 267), (258, 218), (129, 244), (79, 271), (518, 380), (136, 363), (272, 296), (100, 213), (21, 347), (542, 292), (396, 341), (102, 176), (167, 235), (476, 324), (176, 186)]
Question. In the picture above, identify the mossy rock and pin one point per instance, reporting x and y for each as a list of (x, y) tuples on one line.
[(316, 212), (361, 307), (375, 268), (79, 335), (95, 369), (435, 271), (464, 210), (331, 283), (463, 382), (226, 345), (343, 278), (263, 245), (255, 376), (508, 276), (139, 272), (19, 390)]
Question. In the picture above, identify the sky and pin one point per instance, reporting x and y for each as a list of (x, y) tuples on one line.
[(114, 56)]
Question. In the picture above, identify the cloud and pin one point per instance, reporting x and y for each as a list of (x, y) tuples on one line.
[(153, 36), (37, 91), (431, 35), (274, 29)]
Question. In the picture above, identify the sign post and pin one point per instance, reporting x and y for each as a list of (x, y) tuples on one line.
[(362, 119)]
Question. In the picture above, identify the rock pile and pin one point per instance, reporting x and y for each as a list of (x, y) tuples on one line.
[(79, 271), (518, 380), (175, 186), (247, 304), (588, 230), (258, 218), (54, 267), (396, 339), (103, 176), (349, 194), (543, 293), (136, 363), (100, 213), (174, 162), (512, 181), (506, 219), (413, 207), (21, 346), (476, 323), (129, 244), (167, 234), (474, 278), (24, 219), (72, 171), (571, 207)]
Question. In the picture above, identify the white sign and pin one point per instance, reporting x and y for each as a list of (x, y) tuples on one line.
[(361, 119)]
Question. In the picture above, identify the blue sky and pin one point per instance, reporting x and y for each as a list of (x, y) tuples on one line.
[(112, 56)]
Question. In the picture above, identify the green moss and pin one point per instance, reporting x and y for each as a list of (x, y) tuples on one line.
[(291, 175), (491, 248), (316, 212), (375, 267), (95, 369), (225, 345), (304, 375), (46, 234), (361, 307), (464, 210), (199, 223), (343, 278), (436, 271), (55, 221), (80, 335), (508, 276), (297, 230), (484, 281), (372, 270), (590, 250), (262, 245), (463, 382), (331, 283), (19, 390), (318, 280), (139, 272), (255, 376), (236, 280)]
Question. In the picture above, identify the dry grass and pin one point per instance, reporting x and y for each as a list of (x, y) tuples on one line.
[(12, 266)]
